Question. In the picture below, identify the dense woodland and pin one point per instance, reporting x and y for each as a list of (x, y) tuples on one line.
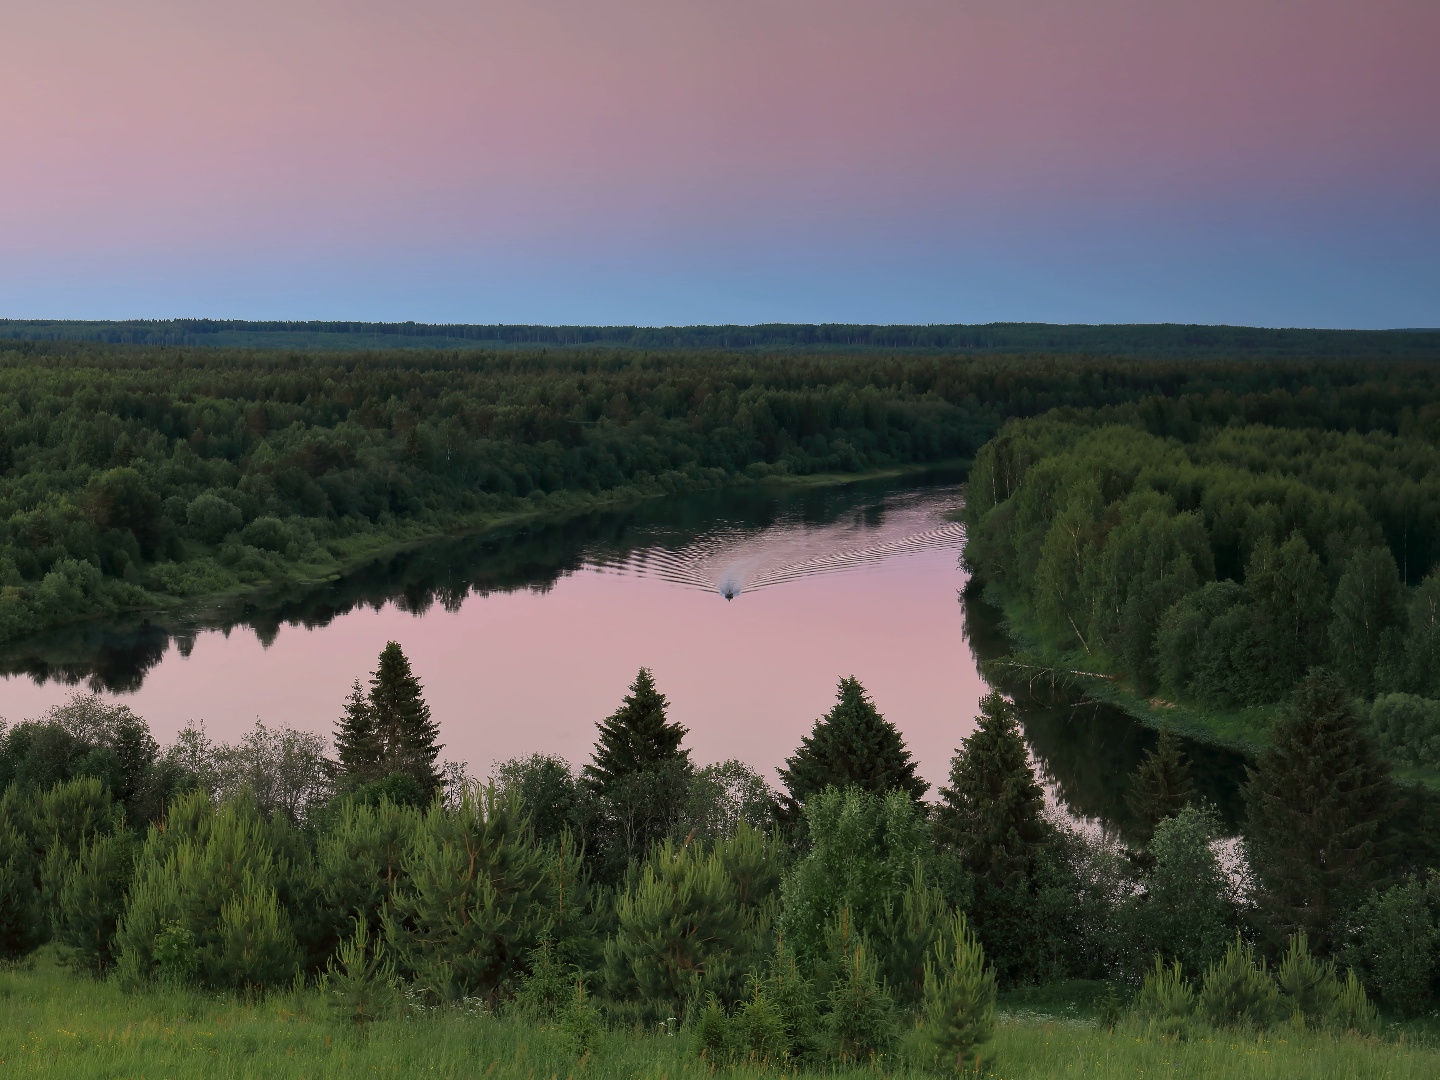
[(847, 918), (131, 477), (1219, 563)]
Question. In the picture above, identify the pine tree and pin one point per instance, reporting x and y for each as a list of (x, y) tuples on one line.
[(992, 812), (1160, 786), (850, 746), (1317, 802), (388, 731), (639, 773)]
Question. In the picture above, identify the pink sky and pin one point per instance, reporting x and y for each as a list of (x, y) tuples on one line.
[(671, 161)]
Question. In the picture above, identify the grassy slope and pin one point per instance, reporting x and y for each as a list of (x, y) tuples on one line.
[(54, 1023)]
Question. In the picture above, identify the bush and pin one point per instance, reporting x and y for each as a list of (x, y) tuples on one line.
[(1407, 728), (1166, 1000), (268, 534), (91, 901), (1238, 992), (211, 518), (1395, 944)]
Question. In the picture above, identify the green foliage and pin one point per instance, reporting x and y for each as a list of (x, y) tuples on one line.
[(1316, 802), (389, 731), (1216, 551), (212, 875), (480, 898), (1239, 992), (1317, 998), (639, 773), (548, 987), (862, 857), (1368, 602), (360, 862), (22, 919), (862, 1024), (1166, 1001), (1160, 786), (1185, 912), (683, 932), (361, 979), (992, 816), (91, 901), (850, 746), (1397, 943), (1407, 729), (959, 1014)]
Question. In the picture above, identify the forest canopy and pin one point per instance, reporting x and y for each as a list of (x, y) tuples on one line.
[(1218, 563), (132, 476)]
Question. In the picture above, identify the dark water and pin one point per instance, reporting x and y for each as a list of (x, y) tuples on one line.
[(748, 605)]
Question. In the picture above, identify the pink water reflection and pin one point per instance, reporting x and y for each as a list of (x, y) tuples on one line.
[(512, 673)]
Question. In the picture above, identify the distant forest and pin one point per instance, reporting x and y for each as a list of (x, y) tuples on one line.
[(135, 475), (1167, 339)]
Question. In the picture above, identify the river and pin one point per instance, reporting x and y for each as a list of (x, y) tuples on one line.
[(748, 606)]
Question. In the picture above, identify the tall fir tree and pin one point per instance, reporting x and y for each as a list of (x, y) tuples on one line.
[(850, 746), (1160, 786), (639, 774), (1318, 803), (993, 811), (389, 731), (992, 816), (356, 746)]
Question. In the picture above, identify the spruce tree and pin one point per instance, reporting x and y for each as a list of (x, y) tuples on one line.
[(638, 773), (992, 815), (1317, 803), (1160, 786), (993, 811), (356, 746), (850, 746), (389, 731)]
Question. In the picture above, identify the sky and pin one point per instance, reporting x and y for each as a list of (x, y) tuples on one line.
[(1269, 162)]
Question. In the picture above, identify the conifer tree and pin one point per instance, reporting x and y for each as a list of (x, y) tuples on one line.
[(1160, 786), (1317, 802), (992, 815), (992, 812), (356, 746), (638, 773), (389, 731), (850, 746)]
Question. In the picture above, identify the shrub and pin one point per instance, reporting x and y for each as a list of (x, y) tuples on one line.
[(212, 874), (361, 979), (1395, 944), (267, 534), (1166, 999), (1407, 728), (1238, 992), (211, 518), (91, 901)]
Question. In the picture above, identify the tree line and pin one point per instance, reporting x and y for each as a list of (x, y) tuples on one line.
[(840, 917), (132, 476)]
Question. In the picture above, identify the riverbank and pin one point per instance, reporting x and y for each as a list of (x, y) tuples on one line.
[(59, 1024), (216, 582), (1032, 657)]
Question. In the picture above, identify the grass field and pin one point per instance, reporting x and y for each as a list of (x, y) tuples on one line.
[(57, 1024)]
